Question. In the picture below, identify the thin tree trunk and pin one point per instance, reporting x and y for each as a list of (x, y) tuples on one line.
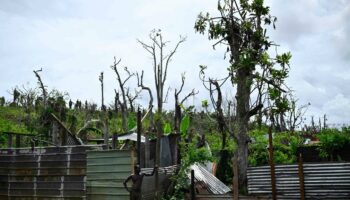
[(177, 117), (124, 117)]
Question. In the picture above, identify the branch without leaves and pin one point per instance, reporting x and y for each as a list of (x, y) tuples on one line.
[(41, 85), (122, 88)]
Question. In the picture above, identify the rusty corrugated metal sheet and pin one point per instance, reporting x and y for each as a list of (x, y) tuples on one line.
[(45, 173), (106, 171), (322, 181), (214, 185), (228, 197)]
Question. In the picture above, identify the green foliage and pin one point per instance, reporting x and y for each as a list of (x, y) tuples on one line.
[(190, 154), (285, 146), (284, 58), (3, 140), (73, 121), (214, 140), (167, 129), (11, 120), (332, 140), (184, 125), (244, 34), (205, 104), (131, 121)]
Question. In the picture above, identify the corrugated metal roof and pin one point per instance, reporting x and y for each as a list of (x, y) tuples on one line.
[(213, 184), (131, 136)]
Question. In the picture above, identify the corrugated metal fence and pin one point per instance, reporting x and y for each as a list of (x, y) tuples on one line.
[(148, 184), (106, 171), (45, 173), (321, 180)]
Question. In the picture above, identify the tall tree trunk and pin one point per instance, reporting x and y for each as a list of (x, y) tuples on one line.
[(159, 137), (242, 113)]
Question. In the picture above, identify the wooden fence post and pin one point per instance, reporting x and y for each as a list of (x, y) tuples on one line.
[(235, 185), (114, 141), (64, 138), (301, 177), (9, 143), (147, 151), (272, 165), (18, 142), (193, 192), (139, 128)]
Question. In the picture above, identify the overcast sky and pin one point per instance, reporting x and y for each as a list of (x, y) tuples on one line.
[(74, 40)]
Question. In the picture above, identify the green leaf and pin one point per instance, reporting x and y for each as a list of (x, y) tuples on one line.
[(205, 103), (167, 129), (131, 122), (185, 124)]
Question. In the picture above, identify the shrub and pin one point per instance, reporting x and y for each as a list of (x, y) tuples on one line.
[(332, 140), (285, 146)]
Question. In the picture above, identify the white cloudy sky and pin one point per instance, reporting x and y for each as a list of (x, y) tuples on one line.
[(74, 40)]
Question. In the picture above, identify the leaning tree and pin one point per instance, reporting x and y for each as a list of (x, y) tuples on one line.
[(241, 28)]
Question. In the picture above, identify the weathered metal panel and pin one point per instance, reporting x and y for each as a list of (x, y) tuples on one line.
[(148, 184), (214, 185), (106, 171), (45, 173), (321, 180), (228, 197)]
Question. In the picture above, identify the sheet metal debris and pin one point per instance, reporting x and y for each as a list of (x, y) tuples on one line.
[(131, 136), (213, 184)]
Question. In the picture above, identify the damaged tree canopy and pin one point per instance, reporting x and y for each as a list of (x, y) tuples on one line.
[(241, 27)]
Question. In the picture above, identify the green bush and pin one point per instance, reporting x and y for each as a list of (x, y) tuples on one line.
[(285, 146), (332, 140), (190, 154), (214, 140)]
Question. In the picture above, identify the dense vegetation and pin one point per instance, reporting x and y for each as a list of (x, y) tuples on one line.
[(23, 118), (232, 126), (16, 118)]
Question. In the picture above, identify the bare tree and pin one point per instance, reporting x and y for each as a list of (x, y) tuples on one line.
[(131, 98), (225, 123), (220, 118), (178, 103), (41, 86), (104, 115), (150, 117), (122, 89), (103, 107), (161, 61), (15, 96), (150, 103), (295, 116), (116, 101)]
